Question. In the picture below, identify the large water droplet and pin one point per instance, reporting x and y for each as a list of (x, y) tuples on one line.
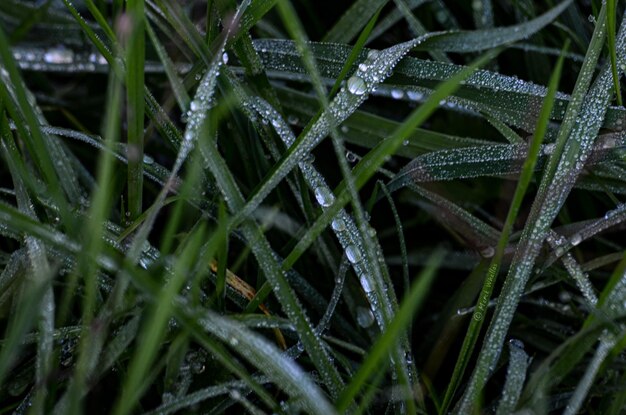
[(397, 94), (59, 56), (364, 317), (353, 254), (324, 196), (356, 85), (365, 284), (575, 239), (338, 224)]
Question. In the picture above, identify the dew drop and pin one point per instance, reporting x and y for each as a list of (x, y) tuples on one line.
[(353, 254), (59, 56), (397, 93), (372, 54), (487, 252), (338, 224), (363, 67), (225, 58), (516, 343), (414, 95), (324, 196), (365, 284), (575, 239), (147, 159), (364, 317), (356, 85), (549, 148), (350, 157)]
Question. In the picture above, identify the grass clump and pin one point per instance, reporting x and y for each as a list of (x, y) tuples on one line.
[(268, 206)]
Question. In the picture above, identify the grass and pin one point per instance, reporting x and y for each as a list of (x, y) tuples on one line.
[(266, 206)]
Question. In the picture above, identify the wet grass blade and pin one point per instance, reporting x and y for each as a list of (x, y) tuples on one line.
[(573, 146), (386, 342), (515, 377), (135, 61)]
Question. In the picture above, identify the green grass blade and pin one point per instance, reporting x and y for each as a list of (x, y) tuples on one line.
[(386, 342), (610, 36), (515, 377), (472, 41), (135, 60)]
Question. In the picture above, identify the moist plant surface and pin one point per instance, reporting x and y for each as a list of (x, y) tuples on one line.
[(275, 206)]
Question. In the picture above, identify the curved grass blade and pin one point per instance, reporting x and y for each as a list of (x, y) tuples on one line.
[(474, 41), (495, 160), (509, 99)]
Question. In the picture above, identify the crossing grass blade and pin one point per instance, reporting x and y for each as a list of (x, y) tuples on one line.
[(479, 314)]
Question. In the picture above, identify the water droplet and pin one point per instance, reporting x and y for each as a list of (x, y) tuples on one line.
[(353, 254), (338, 224), (225, 58), (487, 252), (516, 343), (324, 196), (364, 317), (350, 157), (372, 54), (397, 93), (59, 56), (356, 85), (363, 67), (194, 105), (234, 341), (549, 148), (575, 239), (147, 159), (365, 284), (414, 95)]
